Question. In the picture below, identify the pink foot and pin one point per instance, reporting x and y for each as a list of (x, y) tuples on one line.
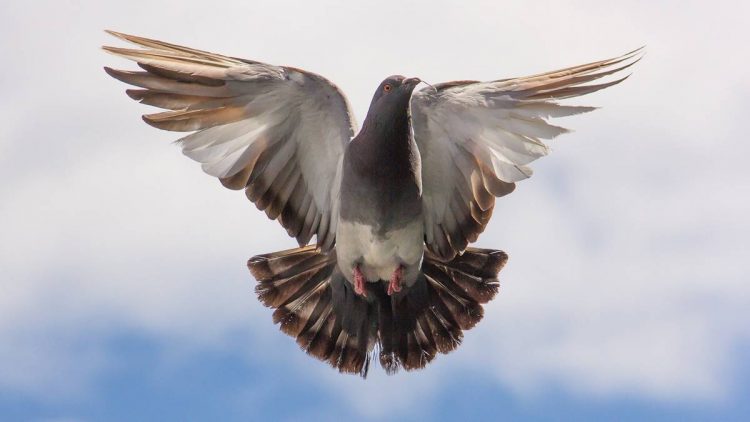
[(395, 285), (359, 282)]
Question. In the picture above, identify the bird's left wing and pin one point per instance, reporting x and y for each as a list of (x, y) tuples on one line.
[(277, 132), (477, 138)]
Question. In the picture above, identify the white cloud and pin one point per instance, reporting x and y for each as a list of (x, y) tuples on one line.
[(627, 273)]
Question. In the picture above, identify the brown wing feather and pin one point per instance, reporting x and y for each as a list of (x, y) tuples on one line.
[(477, 138), (243, 113)]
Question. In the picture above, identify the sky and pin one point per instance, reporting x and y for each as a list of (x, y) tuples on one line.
[(124, 293)]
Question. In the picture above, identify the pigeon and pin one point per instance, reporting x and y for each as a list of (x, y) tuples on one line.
[(392, 207)]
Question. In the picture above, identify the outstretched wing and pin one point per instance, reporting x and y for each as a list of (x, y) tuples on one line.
[(277, 132), (477, 138)]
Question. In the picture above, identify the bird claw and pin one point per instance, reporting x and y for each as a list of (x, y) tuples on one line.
[(359, 282), (394, 286)]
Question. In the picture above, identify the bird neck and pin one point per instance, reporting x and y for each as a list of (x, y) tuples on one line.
[(390, 131)]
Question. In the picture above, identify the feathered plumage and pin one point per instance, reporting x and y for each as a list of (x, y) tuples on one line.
[(476, 140), (315, 305), (252, 123), (392, 207)]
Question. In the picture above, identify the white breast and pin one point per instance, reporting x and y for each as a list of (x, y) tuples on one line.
[(378, 256)]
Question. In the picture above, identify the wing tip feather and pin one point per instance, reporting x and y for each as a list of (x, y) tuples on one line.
[(113, 72), (115, 33)]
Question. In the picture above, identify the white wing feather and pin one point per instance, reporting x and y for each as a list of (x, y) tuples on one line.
[(277, 132), (476, 139)]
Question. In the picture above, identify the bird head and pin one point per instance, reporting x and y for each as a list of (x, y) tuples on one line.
[(390, 104), (394, 91)]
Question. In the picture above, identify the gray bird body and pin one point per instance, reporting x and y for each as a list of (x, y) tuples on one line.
[(402, 199), (380, 203)]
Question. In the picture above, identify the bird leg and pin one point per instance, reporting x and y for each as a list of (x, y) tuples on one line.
[(359, 282), (395, 284)]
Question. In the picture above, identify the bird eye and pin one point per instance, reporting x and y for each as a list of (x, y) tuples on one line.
[(387, 87)]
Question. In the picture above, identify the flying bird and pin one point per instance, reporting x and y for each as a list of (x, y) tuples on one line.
[(392, 206)]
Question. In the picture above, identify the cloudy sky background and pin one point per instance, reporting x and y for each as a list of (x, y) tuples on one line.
[(124, 293)]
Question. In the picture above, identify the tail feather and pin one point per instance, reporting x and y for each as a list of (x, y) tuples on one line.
[(318, 307), (278, 264), (281, 274)]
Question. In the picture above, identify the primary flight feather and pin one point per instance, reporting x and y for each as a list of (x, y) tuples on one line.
[(393, 206)]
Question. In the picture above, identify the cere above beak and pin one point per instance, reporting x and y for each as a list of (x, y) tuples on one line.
[(412, 81)]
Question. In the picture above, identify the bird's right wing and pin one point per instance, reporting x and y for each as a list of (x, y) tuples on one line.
[(277, 132), (477, 138)]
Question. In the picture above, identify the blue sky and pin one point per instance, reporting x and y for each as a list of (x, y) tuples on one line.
[(124, 293), (216, 386)]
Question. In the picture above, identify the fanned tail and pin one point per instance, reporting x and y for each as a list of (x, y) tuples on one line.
[(315, 304), (431, 316), (297, 283)]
